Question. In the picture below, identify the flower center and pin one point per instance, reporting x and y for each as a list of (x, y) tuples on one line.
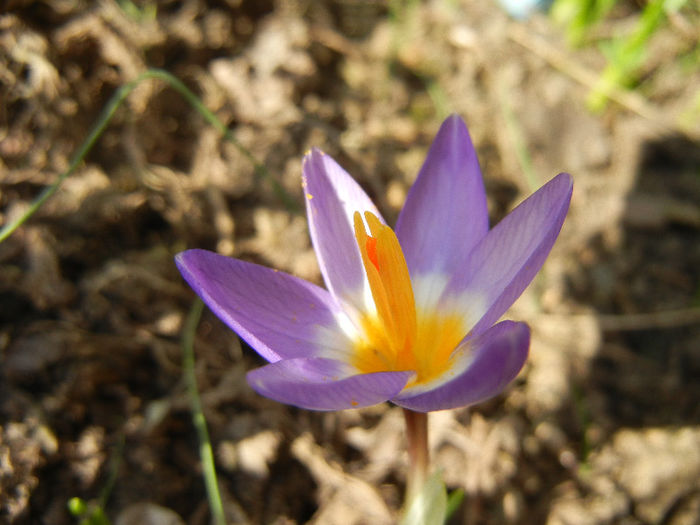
[(398, 336)]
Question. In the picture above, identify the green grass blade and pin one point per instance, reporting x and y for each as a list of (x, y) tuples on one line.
[(104, 119), (205, 450)]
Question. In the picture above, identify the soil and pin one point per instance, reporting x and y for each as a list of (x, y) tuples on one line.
[(602, 426)]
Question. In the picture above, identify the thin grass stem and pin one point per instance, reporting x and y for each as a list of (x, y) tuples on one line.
[(519, 143), (205, 450), (114, 466), (98, 128), (104, 119)]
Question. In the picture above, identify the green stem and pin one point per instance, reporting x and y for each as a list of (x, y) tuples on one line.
[(114, 465), (104, 119), (519, 143), (205, 451), (418, 455), (194, 101)]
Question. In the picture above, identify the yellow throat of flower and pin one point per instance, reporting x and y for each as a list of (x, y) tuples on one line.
[(398, 336)]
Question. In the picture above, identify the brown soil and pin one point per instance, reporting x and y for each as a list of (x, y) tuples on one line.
[(602, 427)]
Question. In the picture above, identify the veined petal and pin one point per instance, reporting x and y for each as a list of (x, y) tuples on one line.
[(279, 315), (445, 213), (483, 366), (502, 265), (324, 384), (332, 198)]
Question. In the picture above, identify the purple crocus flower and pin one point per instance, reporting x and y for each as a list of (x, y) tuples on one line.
[(407, 317)]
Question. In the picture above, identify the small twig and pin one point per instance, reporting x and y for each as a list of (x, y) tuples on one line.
[(333, 40), (635, 322), (559, 60), (649, 321)]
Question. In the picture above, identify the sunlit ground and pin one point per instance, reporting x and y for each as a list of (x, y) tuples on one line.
[(603, 424)]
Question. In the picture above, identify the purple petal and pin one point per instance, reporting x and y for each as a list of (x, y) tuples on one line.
[(485, 366), (506, 260), (445, 214), (332, 198), (279, 315), (324, 384)]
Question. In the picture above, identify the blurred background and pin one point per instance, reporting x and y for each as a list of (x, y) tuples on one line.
[(603, 424)]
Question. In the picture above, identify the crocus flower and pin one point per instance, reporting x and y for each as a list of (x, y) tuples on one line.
[(408, 316)]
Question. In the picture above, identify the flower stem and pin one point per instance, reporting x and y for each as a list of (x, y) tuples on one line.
[(418, 456)]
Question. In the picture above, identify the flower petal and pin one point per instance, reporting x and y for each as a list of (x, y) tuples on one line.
[(506, 260), (324, 384), (279, 315), (445, 213), (484, 365), (332, 198)]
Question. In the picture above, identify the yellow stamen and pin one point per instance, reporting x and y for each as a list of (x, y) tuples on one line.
[(397, 337), (390, 285)]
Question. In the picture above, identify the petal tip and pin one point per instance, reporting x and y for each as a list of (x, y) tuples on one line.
[(454, 119), (184, 259), (455, 125), (564, 181)]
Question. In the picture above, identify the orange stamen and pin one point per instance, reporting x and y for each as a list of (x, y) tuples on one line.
[(396, 338), (371, 248)]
